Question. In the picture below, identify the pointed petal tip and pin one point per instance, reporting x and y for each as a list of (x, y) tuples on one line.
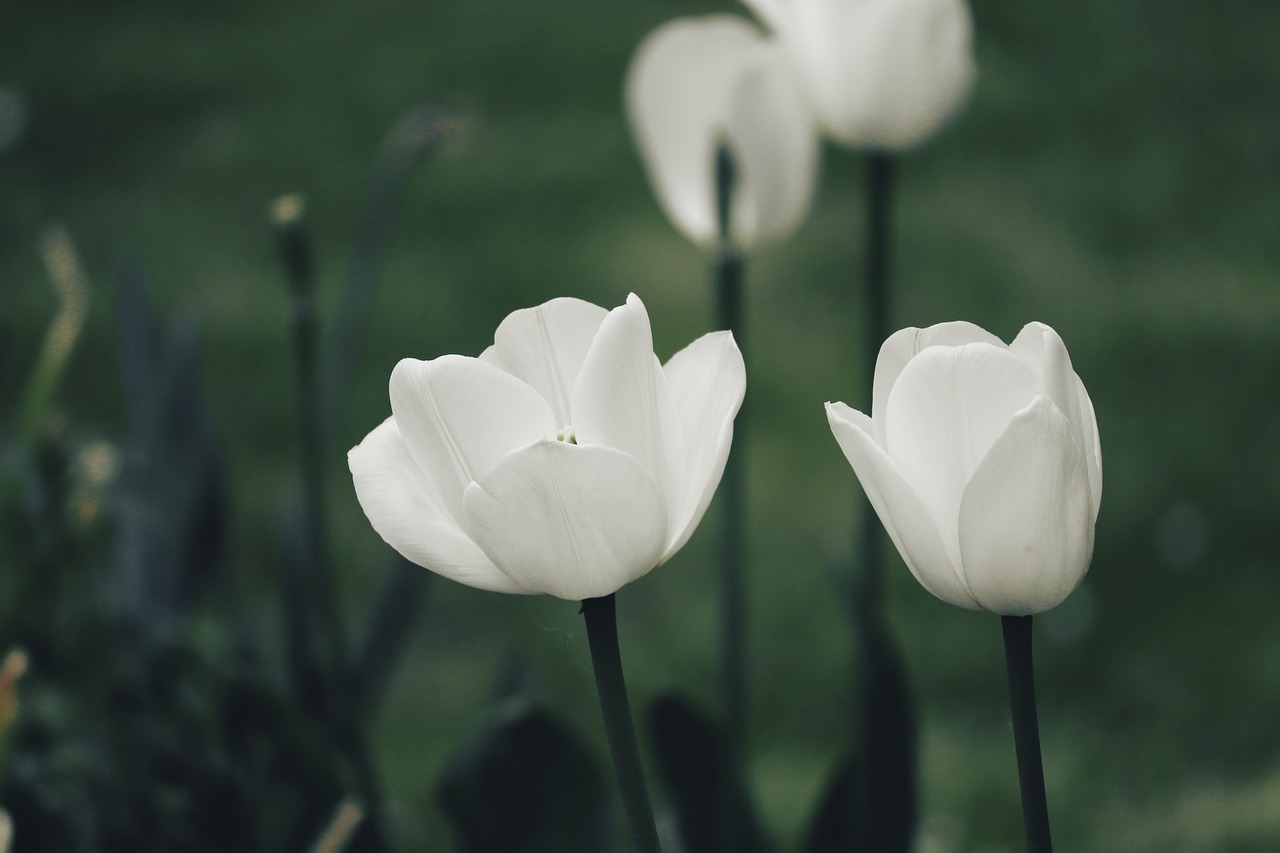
[(905, 518), (708, 382)]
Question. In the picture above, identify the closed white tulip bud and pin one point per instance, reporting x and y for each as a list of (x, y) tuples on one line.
[(698, 83), (564, 460), (882, 73), (982, 461)]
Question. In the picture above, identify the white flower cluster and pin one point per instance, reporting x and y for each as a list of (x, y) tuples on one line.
[(877, 74)]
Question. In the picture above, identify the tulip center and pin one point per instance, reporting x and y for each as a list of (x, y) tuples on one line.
[(566, 434)]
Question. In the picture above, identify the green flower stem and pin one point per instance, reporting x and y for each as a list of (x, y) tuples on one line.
[(868, 574), (602, 636), (288, 215), (730, 310), (728, 273), (324, 636), (412, 139), (733, 558), (1026, 732), (879, 208)]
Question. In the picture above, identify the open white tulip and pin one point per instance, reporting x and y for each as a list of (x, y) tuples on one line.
[(882, 73), (564, 460), (697, 83), (982, 461)]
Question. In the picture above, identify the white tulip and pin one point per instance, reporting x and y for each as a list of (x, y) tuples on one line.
[(882, 73), (697, 83), (982, 461), (564, 460)]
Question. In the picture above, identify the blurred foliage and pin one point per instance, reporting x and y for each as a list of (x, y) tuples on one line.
[(713, 809), (152, 720), (1115, 177), (525, 783)]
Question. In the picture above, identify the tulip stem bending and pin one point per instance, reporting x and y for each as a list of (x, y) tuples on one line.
[(1026, 732), (602, 636)]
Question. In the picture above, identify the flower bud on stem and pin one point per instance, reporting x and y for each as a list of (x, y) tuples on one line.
[(1026, 732), (602, 636)]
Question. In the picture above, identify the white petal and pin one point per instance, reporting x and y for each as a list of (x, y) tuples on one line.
[(1092, 446), (572, 521), (771, 12), (406, 512), (908, 522), (884, 73), (1043, 350), (622, 401), (1026, 521), (677, 95), (459, 415), (947, 408), (904, 345), (707, 380), (774, 142), (545, 347)]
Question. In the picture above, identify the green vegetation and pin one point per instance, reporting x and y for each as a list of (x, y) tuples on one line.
[(1115, 177)]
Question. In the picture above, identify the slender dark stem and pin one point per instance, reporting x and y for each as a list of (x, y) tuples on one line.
[(296, 251), (879, 211), (733, 558), (733, 503), (884, 804), (866, 582), (730, 311), (323, 636), (416, 135), (602, 636), (1026, 732)]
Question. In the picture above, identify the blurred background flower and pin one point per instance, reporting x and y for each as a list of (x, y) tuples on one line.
[(696, 84), (1114, 175), (882, 74)]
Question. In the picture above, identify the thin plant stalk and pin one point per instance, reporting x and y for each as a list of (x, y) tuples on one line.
[(69, 282), (296, 253), (885, 811), (1026, 732), (879, 211), (602, 636), (730, 310), (327, 637), (414, 137)]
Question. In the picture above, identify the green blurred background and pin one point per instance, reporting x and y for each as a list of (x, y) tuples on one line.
[(1117, 175)]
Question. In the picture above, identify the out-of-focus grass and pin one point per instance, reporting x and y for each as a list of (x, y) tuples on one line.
[(1115, 177)]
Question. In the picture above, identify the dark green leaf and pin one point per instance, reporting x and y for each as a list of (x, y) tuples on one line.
[(713, 808), (525, 784), (870, 803)]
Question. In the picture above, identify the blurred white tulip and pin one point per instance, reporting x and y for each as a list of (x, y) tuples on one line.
[(882, 74), (698, 83), (564, 460), (983, 462)]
